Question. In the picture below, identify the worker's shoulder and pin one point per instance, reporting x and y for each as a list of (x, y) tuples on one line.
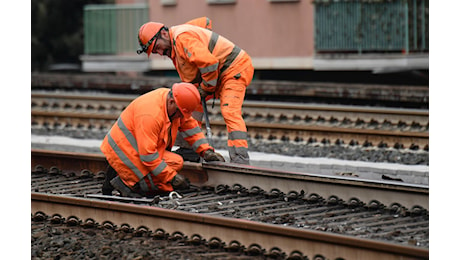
[(155, 92), (157, 95), (189, 29)]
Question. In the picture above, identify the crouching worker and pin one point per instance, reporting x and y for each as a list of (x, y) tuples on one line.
[(138, 146)]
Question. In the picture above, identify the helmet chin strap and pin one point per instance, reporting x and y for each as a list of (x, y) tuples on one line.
[(145, 47), (177, 109), (171, 116)]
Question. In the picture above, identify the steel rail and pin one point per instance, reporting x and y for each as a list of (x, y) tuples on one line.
[(279, 130), (257, 105), (347, 188), (309, 242), (258, 88), (295, 128), (275, 126), (96, 97)]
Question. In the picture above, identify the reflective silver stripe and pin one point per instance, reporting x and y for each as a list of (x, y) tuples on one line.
[(127, 133), (207, 22), (236, 135), (209, 68), (127, 162), (149, 157), (158, 169), (145, 158), (119, 184), (199, 142), (191, 132), (230, 58), (189, 54), (212, 82), (213, 42)]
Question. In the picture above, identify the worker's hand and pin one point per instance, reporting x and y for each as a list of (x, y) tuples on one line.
[(180, 182), (203, 93), (210, 156)]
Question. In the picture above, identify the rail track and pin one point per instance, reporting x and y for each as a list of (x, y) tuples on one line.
[(341, 93), (398, 128), (267, 211)]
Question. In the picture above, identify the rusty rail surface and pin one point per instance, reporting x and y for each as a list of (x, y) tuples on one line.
[(288, 239), (226, 229), (386, 192), (317, 90), (265, 120)]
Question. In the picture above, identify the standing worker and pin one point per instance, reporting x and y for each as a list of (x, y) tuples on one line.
[(138, 146), (216, 66)]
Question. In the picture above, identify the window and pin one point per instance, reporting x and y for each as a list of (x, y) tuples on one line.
[(221, 1), (168, 2), (282, 1)]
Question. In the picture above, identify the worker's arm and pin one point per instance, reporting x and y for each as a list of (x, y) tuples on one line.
[(197, 53), (149, 141), (191, 131)]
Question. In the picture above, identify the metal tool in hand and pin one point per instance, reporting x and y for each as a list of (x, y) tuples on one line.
[(206, 118)]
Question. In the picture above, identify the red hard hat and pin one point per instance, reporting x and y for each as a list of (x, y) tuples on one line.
[(187, 97), (148, 35)]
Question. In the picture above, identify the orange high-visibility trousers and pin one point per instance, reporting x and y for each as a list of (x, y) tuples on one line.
[(232, 95), (173, 160)]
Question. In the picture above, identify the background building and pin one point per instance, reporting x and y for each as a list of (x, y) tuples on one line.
[(280, 35)]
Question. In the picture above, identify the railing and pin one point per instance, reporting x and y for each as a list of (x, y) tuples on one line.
[(363, 26), (341, 26), (112, 29)]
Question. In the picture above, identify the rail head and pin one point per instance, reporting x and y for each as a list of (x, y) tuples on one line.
[(213, 174), (347, 188), (229, 229), (312, 177)]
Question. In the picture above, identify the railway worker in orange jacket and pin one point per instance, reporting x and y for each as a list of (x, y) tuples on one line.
[(138, 146), (216, 66)]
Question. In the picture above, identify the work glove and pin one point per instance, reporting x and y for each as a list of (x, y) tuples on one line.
[(180, 182), (210, 156), (203, 93)]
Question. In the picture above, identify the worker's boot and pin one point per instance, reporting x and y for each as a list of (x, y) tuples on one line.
[(107, 188), (180, 182), (124, 190), (238, 156), (240, 159)]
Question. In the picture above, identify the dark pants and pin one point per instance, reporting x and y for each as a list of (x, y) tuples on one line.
[(107, 188), (125, 191)]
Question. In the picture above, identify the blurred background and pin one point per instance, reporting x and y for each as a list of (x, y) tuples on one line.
[(57, 32), (376, 41)]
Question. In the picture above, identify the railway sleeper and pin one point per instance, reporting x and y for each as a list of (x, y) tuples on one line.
[(310, 208), (84, 231)]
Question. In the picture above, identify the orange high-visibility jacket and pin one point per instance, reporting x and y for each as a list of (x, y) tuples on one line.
[(203, 56), (203, 22), (135, 144)]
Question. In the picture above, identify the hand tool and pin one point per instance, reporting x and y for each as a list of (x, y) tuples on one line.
[(206, 118)]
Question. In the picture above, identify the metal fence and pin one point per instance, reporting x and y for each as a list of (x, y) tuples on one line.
[(341, 26), (112, 29), (360, 26)]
